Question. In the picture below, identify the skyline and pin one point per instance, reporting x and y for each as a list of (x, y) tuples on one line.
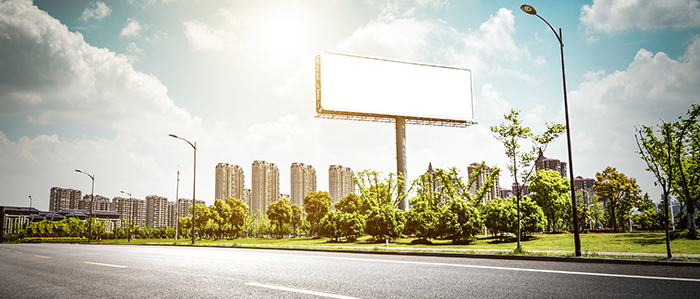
[(238, 78)]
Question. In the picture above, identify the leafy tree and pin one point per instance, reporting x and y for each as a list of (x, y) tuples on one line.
[(384, 223), (316, 206), (461, 221), (352, 203), (201, 218), (620, 192), (220, 214), (551, 192), (686, 160), (331, 225), (500, 215), (533, 219), (184, 225), (281, 212), (521, 163), (423, 222), (378, 191), (239, 212), (297, 218)]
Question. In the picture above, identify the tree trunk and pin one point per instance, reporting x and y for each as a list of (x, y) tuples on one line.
[(692, 231), (614, 219)]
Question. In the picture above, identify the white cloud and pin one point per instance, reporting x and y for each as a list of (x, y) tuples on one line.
[(434, 3), (613, 16), (97, 10), (132, 29), (60, 80), (540, 60), (389, 36), (204, 38), (605, 108), (133, 48)]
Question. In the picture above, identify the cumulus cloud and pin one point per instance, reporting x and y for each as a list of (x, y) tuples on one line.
[(402, 37), (653, 87), (132, 29), (434, 3), (613, 16), (202, 37), (96, 10)]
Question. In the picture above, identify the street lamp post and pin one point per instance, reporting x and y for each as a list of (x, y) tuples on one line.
[(529, 9), (92, 197), (194, 178), (177, 206), (131, 212)]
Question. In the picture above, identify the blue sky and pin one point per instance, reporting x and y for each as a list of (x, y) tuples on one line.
[(98, 86)]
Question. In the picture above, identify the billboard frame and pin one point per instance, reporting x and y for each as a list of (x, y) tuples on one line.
[(386, 118)]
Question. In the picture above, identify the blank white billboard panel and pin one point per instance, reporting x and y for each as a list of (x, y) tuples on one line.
[(376, 86)]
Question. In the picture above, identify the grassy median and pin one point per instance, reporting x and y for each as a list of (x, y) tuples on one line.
[(590, 243)]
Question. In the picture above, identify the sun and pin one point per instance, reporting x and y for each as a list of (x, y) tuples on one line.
[(283, 35)]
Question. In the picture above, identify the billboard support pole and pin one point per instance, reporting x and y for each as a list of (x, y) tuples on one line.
[(401, 158)]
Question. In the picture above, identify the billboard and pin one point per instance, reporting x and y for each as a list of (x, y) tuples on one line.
[(369, 88)]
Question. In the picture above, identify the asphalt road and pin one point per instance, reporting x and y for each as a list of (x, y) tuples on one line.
[(127, 271)]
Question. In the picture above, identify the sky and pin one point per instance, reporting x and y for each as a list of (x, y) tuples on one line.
[(98, 86)]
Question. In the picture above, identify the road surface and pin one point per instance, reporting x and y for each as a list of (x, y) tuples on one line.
[(133, 271)]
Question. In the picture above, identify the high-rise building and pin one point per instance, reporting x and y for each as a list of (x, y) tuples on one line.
[(494, 191), (139, 206), (552, 164), (62, 198), (265, 187), (586, 185), (229, 181), (303, 179), (340, 182), (184, 205), (246, 196), (124, 206), (156, 211), (101, 203), (171, 219)]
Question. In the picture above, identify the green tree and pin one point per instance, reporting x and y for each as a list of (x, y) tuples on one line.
[(462, 221), (352, 203), (551, 192), (533, 219), (619, 192), (331, 225), (384, 223), (500, 216), (239, 213), (686, 161), (378, 191), (316, 206), (512, 134), (297, 218), (280, 212)]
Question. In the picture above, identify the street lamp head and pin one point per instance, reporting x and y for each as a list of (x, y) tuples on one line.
[(173, 135), (77, 170), (529, 9)]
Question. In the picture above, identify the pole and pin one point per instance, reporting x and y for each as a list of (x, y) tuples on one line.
[(92, 197), (401, 158), (177, 206), (194, 179), (574, 207)]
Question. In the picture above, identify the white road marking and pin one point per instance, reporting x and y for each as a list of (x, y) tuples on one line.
[(41, 256), (106, 265), (508, 268), (299, 291)]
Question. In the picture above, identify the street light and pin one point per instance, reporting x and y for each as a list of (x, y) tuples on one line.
[(131, 215), (194, 178), (529, 9), (92, 197)]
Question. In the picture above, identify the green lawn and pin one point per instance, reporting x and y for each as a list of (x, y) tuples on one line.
[(590, 243)]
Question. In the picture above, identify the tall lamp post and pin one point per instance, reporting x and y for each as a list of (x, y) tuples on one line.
[(131, 215), (92, 197), (529, 9), (194, 178), (177, 206)]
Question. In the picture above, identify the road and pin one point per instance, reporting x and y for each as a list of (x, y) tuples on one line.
[(129, 271)]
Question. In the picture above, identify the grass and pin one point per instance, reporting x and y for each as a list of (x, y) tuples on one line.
[(590, 243)]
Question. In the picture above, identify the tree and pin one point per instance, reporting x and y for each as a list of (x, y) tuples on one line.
[(551, 192), (500, 215), (461, 221), (297, 218), (384, 223), (352, 203), (533, 220), (686, 160), (331, 225), (378, 191), (620, 192), (239, 213), (281, 212), (521, 163), (316, 206)]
